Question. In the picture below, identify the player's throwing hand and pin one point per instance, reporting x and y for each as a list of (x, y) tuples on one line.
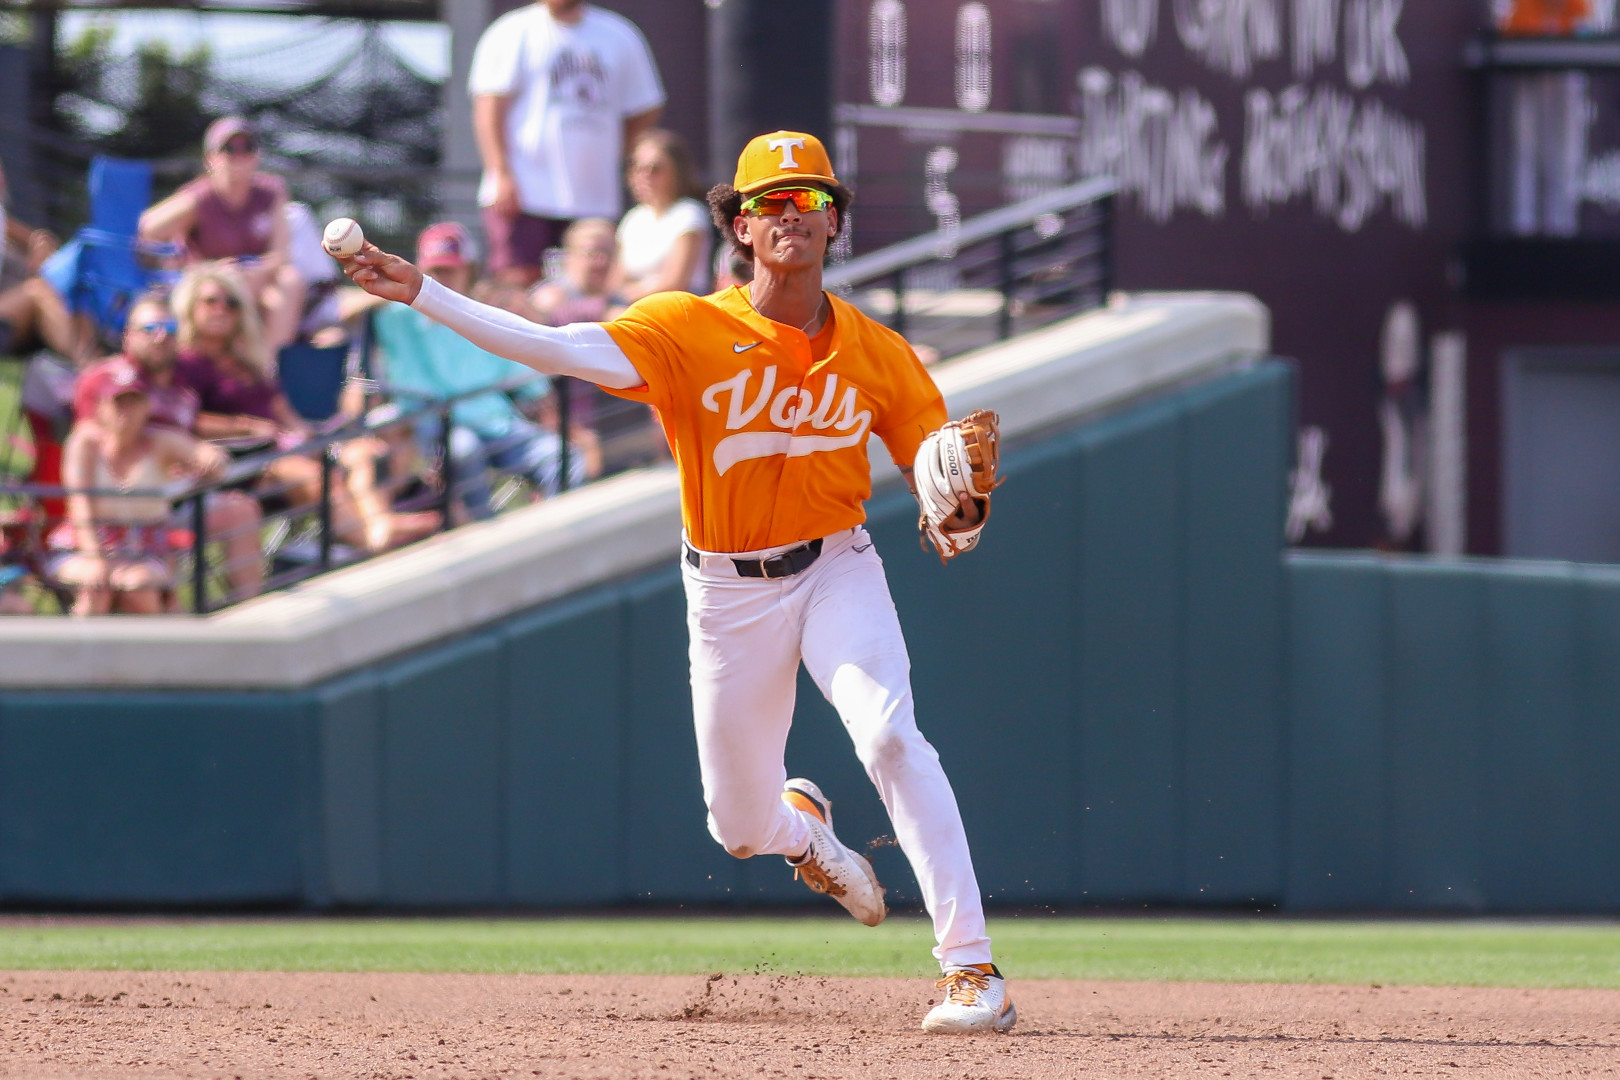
[(382, 274)]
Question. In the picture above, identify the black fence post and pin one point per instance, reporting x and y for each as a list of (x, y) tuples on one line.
[(447, 470), (898, 322), (564, 429), (1005, 268), (199, 553), (326, 508)]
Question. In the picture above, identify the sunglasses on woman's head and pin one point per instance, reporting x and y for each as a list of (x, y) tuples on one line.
[(220, 300), (773, 202)]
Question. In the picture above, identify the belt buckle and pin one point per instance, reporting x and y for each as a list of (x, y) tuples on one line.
[(765, 567)]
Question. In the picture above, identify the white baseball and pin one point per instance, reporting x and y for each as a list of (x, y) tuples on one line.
[(343, 237)]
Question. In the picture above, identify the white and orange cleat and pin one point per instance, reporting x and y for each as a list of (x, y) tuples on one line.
[(830, 867), (975, 1000)]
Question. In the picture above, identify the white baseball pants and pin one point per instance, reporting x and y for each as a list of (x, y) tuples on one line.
[(747, 638)]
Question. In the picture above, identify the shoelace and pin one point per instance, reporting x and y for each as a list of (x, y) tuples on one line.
[(963, 986), (813, 874)]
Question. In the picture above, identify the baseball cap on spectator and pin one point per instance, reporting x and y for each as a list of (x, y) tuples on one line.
[(443, 244), (108, 381), (782, 157), (221, 131)]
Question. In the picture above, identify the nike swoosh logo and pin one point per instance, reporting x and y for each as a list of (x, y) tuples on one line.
[(742, 348)]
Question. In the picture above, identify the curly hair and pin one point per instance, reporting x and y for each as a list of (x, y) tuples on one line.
[(725, 203)]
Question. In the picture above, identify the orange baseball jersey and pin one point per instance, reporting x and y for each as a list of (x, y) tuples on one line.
[(771, 444)]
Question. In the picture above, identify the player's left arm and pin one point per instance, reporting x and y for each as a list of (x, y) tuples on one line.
[(967, 515), (949, 465), (956, 470)]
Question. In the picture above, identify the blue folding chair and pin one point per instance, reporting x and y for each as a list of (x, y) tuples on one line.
[(312, 377), (100, 271)]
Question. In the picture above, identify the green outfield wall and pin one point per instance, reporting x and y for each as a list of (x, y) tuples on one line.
[(1455, 734), (1140, 697), (1103, 678)]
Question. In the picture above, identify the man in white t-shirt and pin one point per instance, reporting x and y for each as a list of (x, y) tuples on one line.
[(559, 88)]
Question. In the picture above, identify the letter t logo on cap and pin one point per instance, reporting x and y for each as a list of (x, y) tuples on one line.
[(778, 157), (786, 146)]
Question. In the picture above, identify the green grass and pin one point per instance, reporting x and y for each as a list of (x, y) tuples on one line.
[(1466, 953), (16, 447)]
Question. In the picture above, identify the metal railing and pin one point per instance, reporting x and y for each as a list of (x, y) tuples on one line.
[(994, 275), (22, 513)]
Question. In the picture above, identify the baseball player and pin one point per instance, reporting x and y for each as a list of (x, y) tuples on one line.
[(767, 393)]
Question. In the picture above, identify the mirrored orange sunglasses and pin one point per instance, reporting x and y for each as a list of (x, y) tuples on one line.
[(773, 202)]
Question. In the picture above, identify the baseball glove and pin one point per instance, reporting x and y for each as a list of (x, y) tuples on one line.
[(955, 467)]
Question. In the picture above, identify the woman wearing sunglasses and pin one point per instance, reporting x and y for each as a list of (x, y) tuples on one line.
[(237, 212), (768, 392), (150, 336)]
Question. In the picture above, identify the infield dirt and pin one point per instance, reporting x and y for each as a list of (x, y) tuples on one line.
[(231, 1024)]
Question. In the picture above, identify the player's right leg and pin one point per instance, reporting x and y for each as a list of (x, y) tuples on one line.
[(745, 659), (744, 656)]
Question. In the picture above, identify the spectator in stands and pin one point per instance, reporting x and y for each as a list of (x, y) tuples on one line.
[(664, 240), (234, 211), (32, 246), (224, 358), (149, 343), (150, 335), (422, 360), (115, 548), (559, 88), (32, 313), (322, 321), (582, 292)]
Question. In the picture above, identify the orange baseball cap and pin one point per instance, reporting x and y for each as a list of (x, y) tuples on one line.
[(782, 157)]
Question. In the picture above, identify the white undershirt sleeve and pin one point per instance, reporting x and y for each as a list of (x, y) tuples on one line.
[(583, 350)]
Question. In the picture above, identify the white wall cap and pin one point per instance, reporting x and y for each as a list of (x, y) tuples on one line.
[(483, 572)]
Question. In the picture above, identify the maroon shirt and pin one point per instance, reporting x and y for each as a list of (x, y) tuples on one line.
[(174, 405), (226, 394), (221, 232)]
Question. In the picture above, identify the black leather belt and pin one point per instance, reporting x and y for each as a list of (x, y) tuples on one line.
[(788, 563)]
